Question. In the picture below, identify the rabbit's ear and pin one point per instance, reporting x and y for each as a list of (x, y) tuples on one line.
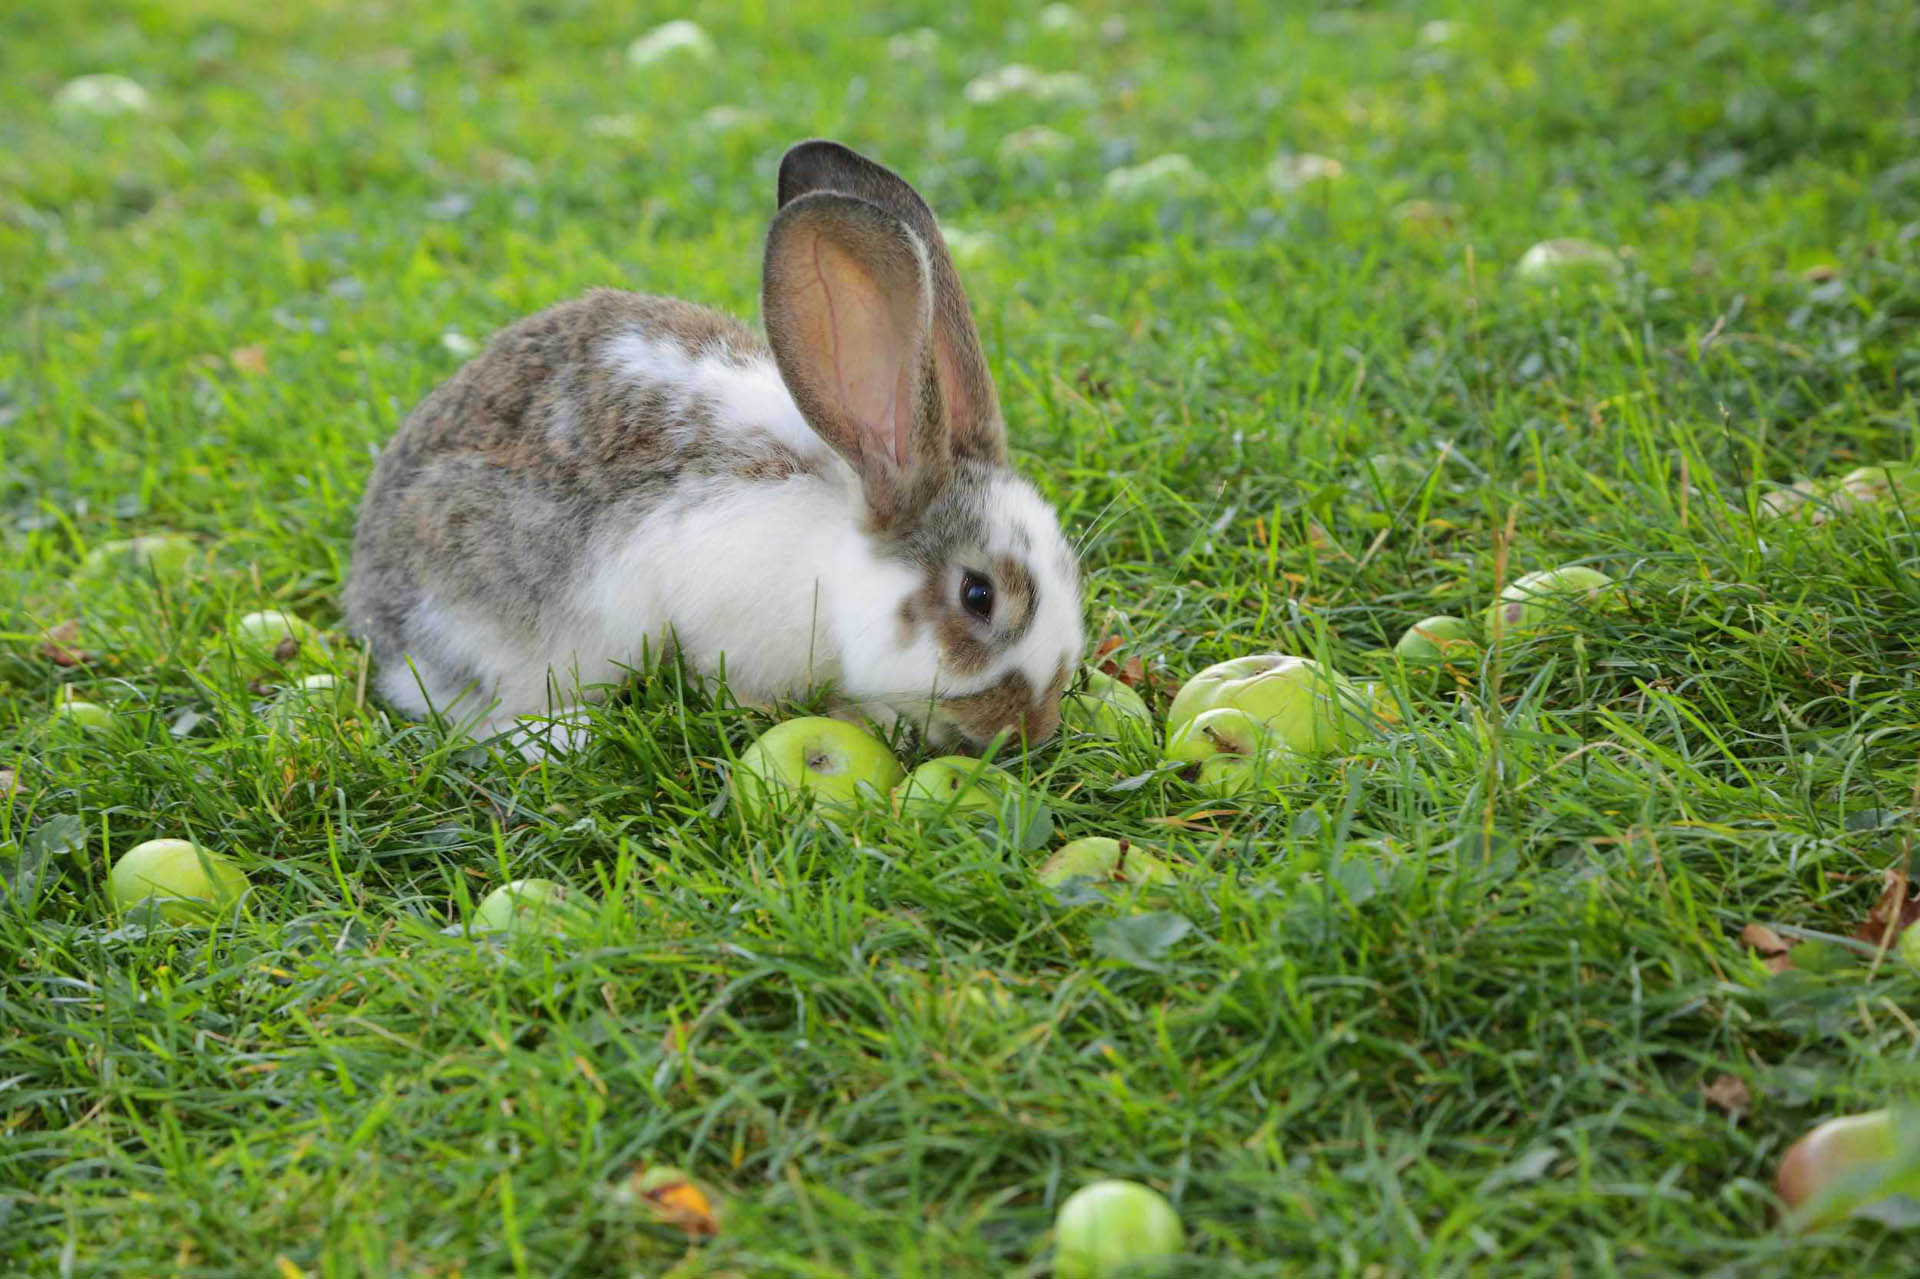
[(966, 386), (848, 307)]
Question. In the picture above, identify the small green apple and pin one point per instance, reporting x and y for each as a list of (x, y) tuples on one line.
[(1104, 707), (167, 556), (831, 759), (526, 905), (1309, 708), (312, 696), (1848, 1149), (1380, 701), (1438, 641), (1114, 1228), (90, 716), (1547, 597), (1553, 260), (1231, 752), (187, 883), (1910, 945), (264, 635), (1105, 861), (954, 782)]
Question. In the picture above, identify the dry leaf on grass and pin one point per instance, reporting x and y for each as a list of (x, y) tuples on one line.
[(1771, 946), (674, 1199), (1729, 1094), (1896, 911), (61, 646)]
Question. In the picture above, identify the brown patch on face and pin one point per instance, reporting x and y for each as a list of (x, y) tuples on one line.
[(962, 651), (1014, 598), (1010, 704)]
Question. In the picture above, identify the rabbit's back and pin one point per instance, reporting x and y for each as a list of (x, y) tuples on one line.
[(484, 513)]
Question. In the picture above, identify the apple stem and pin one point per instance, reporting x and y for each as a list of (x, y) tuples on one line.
[(1214, 737)]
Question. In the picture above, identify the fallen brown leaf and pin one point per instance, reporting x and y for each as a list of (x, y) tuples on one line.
[(1729, 1094), (1897, 909), (60, 645), (677, 1200), (286, 650), (1106, 646), (248, 359), (1770, 945)]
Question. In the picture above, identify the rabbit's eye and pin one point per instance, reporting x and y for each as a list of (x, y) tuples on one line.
[(976, 595)]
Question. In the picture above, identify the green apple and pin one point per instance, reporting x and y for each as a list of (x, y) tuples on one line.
[(1841, 1155), (526, 905), (1379, 700), (1105, 861), (954, 782), (1438, 641), (88, 715), (1230, 752), (262, 635), (1114, 1228), (313, 696), (1547, 597), (167, 556), (1910, 945), (1308, 708), (1103, 707), (1554, 260), (186, 882), (831, 759)]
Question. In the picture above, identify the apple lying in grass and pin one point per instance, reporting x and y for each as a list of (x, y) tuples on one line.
[(1230, 752), (1105, 707), (271, 635), (954, 783), (167, 556), (1114, 1228), (312, 696), (90, 716), (527, 906), (1308, 708), (1438, 641), (1848, 1163), (1547, 598), (187, 883), (833, 760), (1104, 861), (1567, 258)]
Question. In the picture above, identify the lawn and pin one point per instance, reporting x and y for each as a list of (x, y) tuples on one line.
[(1470, 1000)]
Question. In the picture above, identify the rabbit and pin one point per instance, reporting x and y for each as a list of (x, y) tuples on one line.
[(623, 475)]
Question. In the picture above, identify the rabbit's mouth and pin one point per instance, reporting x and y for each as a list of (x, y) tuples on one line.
[(1008, 711)]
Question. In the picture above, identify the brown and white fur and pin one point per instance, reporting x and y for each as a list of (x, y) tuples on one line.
[(623, 473)]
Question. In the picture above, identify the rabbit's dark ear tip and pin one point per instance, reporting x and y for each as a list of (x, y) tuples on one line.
[(804, 166)]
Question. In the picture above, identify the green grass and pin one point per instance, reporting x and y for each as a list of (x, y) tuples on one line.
[(1447, 1008)]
